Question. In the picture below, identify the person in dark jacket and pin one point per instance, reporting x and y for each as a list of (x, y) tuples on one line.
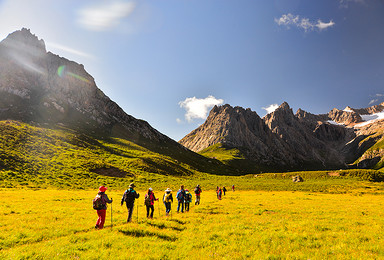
[(167, 199), (180, 196), (197, 193), (102, 212), (149, 201), (224, 190), (129, 198)]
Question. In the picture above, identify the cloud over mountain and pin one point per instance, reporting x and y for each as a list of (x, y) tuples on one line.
[(105, 16), (197, 108)]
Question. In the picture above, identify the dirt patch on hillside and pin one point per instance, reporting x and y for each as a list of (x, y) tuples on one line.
[(113, 172)]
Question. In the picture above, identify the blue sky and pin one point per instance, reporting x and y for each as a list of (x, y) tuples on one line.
[(169, 62)]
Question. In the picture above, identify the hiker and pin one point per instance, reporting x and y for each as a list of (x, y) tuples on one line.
[(129, 197), (224, 190), (149, 201), (219, 193), (197, 194), (180, 196), (100, 204), (233, 187), (167, 199), (187, 200)]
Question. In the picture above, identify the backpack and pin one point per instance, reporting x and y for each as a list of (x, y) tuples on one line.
[(98, 202), (188, 197), (129, 195), (197, 190), (167, 197), (180, 195), (147, 200)]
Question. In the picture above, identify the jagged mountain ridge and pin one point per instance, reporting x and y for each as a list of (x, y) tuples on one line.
[(283, 140)]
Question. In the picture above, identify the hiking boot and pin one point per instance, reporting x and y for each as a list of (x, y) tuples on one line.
[(97, 227)]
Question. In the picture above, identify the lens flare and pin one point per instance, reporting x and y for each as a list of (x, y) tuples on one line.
[(61, 71)]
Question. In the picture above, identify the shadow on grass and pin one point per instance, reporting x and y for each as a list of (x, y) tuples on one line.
[(163, 226), (178, 221), (144, 233)]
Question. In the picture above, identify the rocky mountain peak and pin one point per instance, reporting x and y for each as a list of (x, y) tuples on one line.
[(23, 40), (348, 117), (44, 88)]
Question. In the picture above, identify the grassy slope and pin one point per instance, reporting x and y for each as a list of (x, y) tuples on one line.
[(40, 157), (234, 158)]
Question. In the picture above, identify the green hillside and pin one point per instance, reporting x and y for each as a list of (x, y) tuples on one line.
[(42, 157)]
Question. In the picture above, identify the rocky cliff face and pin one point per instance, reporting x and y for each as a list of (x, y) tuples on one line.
[(38, 86), (291, 141)]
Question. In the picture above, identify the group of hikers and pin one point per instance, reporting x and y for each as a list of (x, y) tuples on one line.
[(183, 197)]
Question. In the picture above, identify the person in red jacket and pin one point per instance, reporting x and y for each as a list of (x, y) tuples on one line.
[(102, 212), (149, 201)]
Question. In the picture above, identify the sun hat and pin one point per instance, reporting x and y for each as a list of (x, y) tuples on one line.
[(132, 185), (150, 189), (102, 189), (168, 189)]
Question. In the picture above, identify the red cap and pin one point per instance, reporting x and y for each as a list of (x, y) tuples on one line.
[(102, 189)]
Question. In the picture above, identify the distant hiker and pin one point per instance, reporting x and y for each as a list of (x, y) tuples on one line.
[(129, 198), (224, 190), (187, 199), (197, 194), (219, 193), (233, 187), (149, 200), (167, 199), (180, 196), (100, 204)]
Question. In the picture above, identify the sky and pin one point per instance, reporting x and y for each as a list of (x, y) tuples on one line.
[(169, 62)]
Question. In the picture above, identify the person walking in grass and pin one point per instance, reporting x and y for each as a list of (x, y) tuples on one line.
[(167, 199), (233, 187), (129, 198), (219, 193), (149, 202), (197, 194), (100, 204), (224, 190), (187, 200), (180, 195)]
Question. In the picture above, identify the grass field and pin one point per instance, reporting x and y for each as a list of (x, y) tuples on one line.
[(58, 224)]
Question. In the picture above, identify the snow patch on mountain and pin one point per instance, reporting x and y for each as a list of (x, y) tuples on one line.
[(371, 118)]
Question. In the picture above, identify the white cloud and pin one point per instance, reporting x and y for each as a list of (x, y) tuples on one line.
[(197, 108), (270, 108), (372, 101), (323, 26), (289, 20), (106, 16)]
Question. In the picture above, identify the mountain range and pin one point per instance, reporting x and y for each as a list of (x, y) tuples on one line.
[(282, 140), (43, 89)]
